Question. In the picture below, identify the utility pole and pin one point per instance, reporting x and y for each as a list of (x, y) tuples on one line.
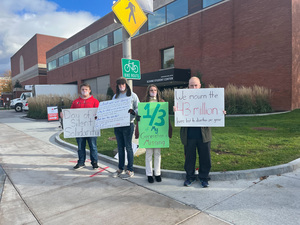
[(126, 44)]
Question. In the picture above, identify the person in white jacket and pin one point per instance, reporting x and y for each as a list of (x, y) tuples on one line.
[(153, 95)]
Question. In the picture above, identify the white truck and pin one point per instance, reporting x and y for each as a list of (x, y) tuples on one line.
[(20, 104)]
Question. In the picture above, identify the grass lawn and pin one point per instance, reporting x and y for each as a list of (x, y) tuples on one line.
[(244, 143)]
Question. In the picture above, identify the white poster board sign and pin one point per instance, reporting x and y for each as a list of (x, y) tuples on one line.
[(80, 123), (199, 107), (113, 113), (146, 5)]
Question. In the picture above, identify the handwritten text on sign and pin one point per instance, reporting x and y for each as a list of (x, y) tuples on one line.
[(154, 125), (80, 123), (199, 107), (113, 113)]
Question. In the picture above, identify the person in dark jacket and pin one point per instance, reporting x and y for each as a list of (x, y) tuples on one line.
[(196, 138)]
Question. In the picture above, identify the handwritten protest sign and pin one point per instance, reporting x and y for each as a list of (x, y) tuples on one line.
[(154, 125), (79, 123), (113, 113), (199, 107)]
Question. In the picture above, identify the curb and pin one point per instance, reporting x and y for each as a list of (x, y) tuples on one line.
[(216, 176), (2, 181)]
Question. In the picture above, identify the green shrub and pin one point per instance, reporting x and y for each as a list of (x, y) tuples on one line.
[(110, 93), (38, 105), (247, 100), (168, 96)]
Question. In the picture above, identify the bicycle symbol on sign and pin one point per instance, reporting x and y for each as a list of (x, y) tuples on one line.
[(132, 67)]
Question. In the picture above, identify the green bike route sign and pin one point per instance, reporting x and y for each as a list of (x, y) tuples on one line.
[(131, 69)]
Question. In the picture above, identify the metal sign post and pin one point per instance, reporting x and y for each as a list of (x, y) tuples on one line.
[(126, 44), (132, 18)]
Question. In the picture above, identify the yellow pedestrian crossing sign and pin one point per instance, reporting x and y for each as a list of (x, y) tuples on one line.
[(130, 15)]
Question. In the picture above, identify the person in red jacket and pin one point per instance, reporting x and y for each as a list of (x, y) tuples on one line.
[(86, 100)]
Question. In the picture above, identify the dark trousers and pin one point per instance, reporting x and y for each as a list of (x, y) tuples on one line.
[(92, 141), (124, 141), (190, 159)]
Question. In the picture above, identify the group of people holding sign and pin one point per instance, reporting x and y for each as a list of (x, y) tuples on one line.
[(194, 111)]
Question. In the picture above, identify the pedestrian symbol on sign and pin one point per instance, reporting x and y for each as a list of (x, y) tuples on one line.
[(132, 10)]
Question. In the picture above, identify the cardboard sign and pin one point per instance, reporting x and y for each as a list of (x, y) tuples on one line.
[(113, 113), (199, 107), (52, 112), (154, 125), (80, 123)]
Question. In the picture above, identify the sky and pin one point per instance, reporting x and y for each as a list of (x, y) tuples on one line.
[(20, 20)]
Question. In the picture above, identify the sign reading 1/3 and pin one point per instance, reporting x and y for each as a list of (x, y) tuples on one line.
[(131, 69), (154, 125)]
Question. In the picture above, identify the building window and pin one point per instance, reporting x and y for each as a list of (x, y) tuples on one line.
[(81, 52), (75, 55), (52, 65), (63, 60), (117, 36), (93, 47), (66, 58), (158, 18), (177, 10), (167, 58), (207, 3), (60, 61), (103, 42)]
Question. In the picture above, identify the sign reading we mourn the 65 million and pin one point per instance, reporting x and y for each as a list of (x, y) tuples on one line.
[(153, 125), (199, 107)]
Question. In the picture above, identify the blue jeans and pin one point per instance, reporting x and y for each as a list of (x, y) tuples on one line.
[(92, 141), (124, 139)]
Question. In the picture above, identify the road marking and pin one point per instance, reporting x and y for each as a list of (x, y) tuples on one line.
[(101, 170)]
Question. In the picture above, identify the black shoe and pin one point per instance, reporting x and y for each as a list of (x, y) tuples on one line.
[(150, 179), (158, 178), (204, 183), (95, 166), (188, 183), (78, 166)]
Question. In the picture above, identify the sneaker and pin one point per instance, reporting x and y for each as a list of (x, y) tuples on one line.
[(117, 173), (150, 179), (127, 174), (78, 166), (95, 166), (204, 183), (158, 178), (188, 183)]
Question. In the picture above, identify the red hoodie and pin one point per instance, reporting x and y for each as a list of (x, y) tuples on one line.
[(90, 102)]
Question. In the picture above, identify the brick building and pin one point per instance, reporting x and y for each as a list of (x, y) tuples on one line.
[(28, 65), (242, 42)]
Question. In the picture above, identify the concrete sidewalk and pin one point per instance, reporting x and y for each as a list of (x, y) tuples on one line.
[(41, 188)]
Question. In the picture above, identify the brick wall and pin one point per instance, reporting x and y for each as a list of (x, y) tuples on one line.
[(242, 42)]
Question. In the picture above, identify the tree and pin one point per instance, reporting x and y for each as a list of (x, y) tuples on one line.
[(109, 93), (6, 85), (18, 84), (7, 74)]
